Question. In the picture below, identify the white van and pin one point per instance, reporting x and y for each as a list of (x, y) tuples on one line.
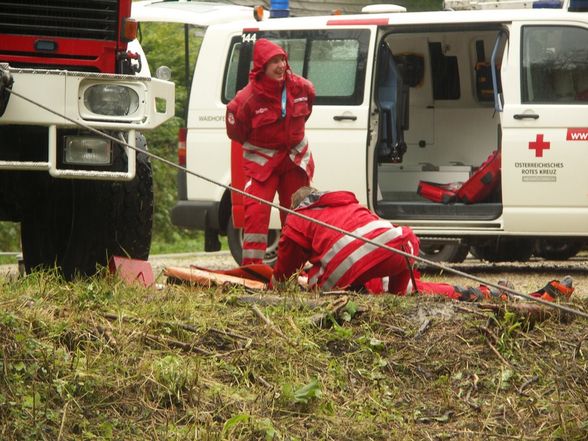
[(410, 97)]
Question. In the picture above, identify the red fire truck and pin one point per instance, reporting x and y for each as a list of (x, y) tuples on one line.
[(68, 67)]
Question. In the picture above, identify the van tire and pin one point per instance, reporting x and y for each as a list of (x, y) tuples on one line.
[(558, 249), (235, 240), (505, 249), (76, 225), (449, 252)]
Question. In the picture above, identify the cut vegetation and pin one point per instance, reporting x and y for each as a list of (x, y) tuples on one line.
[(102, 360)]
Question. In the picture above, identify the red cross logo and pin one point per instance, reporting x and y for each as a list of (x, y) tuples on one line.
[(539, 145)]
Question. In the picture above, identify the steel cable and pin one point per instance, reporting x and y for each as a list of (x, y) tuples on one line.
[(511, 292)]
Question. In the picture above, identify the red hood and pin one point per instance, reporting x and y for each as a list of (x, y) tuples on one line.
[(263, 51)]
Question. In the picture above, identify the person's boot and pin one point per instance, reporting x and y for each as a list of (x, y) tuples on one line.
[(484, 292), (499, 294), (556, 290)]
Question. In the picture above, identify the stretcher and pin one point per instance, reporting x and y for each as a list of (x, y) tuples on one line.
[(254, 276)]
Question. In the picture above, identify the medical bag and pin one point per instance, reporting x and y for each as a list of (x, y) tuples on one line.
[(476, 189)]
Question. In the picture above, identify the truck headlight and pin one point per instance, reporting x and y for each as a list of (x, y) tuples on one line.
[(114, 101), (87, 150), (111, 100)]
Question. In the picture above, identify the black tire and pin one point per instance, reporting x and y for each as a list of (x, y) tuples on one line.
[(558, 249), (77, 225), (235, 240), (449, 252), (505, 249), (133, 213)]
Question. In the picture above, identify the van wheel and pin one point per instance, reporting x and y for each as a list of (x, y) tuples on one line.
[(558, 249), (235, 240), (505, 249), (450, 252), (75, 225)]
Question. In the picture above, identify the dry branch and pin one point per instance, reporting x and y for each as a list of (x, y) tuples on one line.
[(270, 324), (321, 320)]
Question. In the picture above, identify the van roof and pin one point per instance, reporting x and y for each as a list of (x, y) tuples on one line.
[(195, 13), (225, 16)]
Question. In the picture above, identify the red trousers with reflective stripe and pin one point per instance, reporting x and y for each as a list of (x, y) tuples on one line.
[(397, 269), (285, 179)]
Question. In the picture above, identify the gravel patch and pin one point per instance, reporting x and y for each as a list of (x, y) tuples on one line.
[(526, 276)]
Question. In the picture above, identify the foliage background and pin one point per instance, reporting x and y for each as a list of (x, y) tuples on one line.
[(164, 45)]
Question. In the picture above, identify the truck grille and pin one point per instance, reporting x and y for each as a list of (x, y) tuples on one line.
[(94, 19)]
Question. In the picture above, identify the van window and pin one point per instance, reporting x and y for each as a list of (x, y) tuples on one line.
[(332, 67), (554, 65), (296, 49), (334, 60), (331, 64), (230, 84)]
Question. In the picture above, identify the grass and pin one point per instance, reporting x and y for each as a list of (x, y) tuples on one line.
[(8, 258), (98, 359), (184, 246)]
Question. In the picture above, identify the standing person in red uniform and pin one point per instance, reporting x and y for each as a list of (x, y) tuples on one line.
[(341, 261), (267, 117)]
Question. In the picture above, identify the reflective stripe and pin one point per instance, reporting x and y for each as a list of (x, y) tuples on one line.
[(300, 154), (343, 242), (385, 283), (358, 254), (255, 158), (410, 247), (301, 159), (305, 159), (298, 148), (409, 288), (259, 155), (255, 238), (253, 254), (257, 149)]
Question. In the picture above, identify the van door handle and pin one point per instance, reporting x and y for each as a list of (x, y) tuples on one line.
[(343, 117), (526, 116)]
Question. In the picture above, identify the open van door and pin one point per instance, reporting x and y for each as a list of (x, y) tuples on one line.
[(546, 130)]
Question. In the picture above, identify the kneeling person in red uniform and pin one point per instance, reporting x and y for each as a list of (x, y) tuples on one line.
[(343, 262), (268, 117)]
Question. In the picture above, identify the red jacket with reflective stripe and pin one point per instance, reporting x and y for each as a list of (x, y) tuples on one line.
[(254, 117), (337, 259)]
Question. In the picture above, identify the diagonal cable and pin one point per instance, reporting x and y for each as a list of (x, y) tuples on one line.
[(437, 265)]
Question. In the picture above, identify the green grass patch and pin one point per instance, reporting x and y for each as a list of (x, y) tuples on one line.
[(184, 246), (8, 259)]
